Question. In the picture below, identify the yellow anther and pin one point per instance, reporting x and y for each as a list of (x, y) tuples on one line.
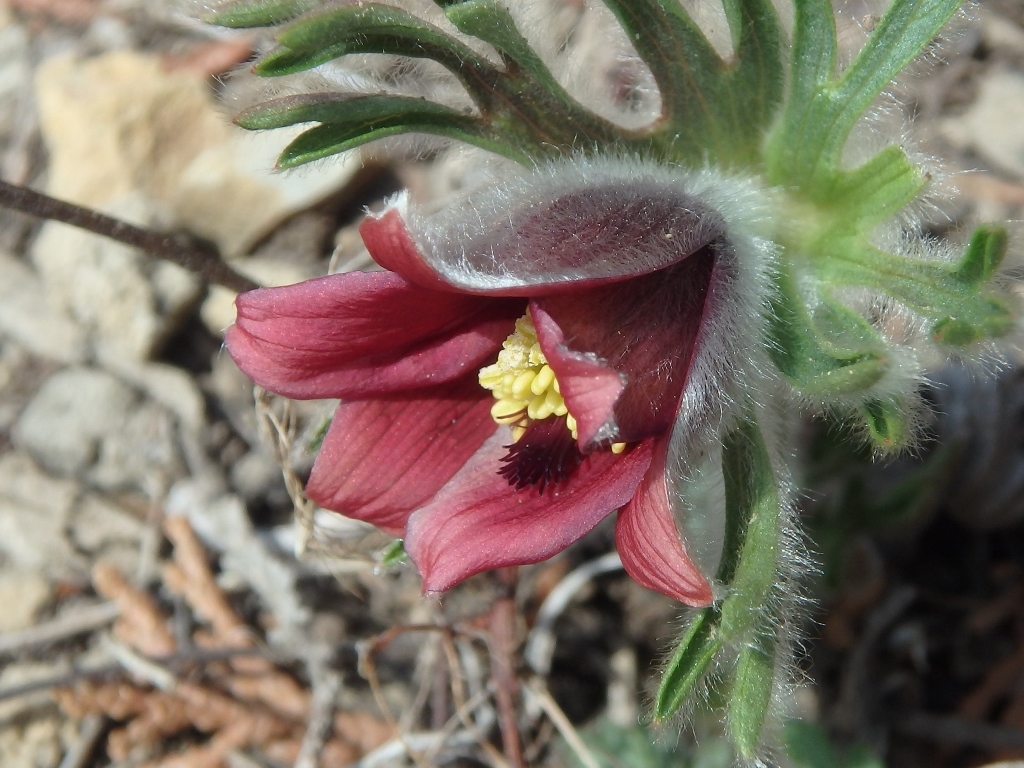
[(545, 378), (539, 408), (504, 410), (524, 385), (521, 386)]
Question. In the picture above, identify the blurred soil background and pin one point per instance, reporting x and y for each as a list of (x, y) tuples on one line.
[(169, 599)]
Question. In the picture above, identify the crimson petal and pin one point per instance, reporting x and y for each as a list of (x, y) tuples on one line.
[(647, 539), (352, 334), (540, 235), (641, 333), (479, 522), (383, 458)]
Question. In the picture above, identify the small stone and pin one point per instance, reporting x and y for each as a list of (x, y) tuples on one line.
[(171, 387), (992, 125), (26, 318), (23, 593), (120, 124), (112, 290), (35, 509), (257, 476), (64, 426), (141, 454), (35, 743), (98, 521)]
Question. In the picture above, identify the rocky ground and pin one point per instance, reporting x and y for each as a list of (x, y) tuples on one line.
[(170, 599)]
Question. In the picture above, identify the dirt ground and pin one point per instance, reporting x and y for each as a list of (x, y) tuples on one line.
[(169, 599)]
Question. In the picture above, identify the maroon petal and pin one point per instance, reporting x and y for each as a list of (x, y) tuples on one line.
[(639, 336), (649, 544), (356, 333), (383, 458), (479, 522), (392, 246), (546, 233)]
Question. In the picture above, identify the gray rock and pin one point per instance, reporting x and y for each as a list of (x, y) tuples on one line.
[(128, 303), (171, 387), (25, 317), (98, 521), (34, 513), (992, 125), (23, 593), (67, 422)]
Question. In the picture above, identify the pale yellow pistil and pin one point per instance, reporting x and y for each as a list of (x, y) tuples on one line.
[(524, 386)]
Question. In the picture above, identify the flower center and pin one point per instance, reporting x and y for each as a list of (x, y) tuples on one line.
[(528, 399)]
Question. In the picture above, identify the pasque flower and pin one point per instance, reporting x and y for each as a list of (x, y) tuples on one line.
[(528, 362), (591, 332)]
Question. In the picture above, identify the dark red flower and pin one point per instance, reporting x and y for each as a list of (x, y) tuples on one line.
[(599, 309)]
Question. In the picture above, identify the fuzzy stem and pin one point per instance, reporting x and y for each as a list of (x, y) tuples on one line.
[(205, 263)]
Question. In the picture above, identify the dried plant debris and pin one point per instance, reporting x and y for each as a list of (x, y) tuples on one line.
[(240, 701)]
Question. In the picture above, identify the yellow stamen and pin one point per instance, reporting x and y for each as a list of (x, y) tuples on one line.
[(524, 385)]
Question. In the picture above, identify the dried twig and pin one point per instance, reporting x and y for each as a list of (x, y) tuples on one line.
[(503, 646), (62, 628), (538, 691), (201, 261), (247, 704), (140, 623), (88, 737)]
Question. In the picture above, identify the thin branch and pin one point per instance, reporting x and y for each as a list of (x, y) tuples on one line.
[(539, 692), (201, 261), (78, 756), (77, 623), (118, 671)]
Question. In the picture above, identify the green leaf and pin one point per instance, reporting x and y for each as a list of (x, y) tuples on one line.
[(331, 138), (349, 120), (873, 192), (961, 311), (244, 14), (749, 569), (832, 351), (984, 255), (688, 665), (393, 556), (806, 146), (751, 695), (490, 21), (888, 423), (754, 80), (808, 746), (862, 757), (752, 529), (344, 108), (711, 109), (372, 28)]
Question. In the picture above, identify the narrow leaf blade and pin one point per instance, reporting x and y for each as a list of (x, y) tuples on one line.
[(689, 664)]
